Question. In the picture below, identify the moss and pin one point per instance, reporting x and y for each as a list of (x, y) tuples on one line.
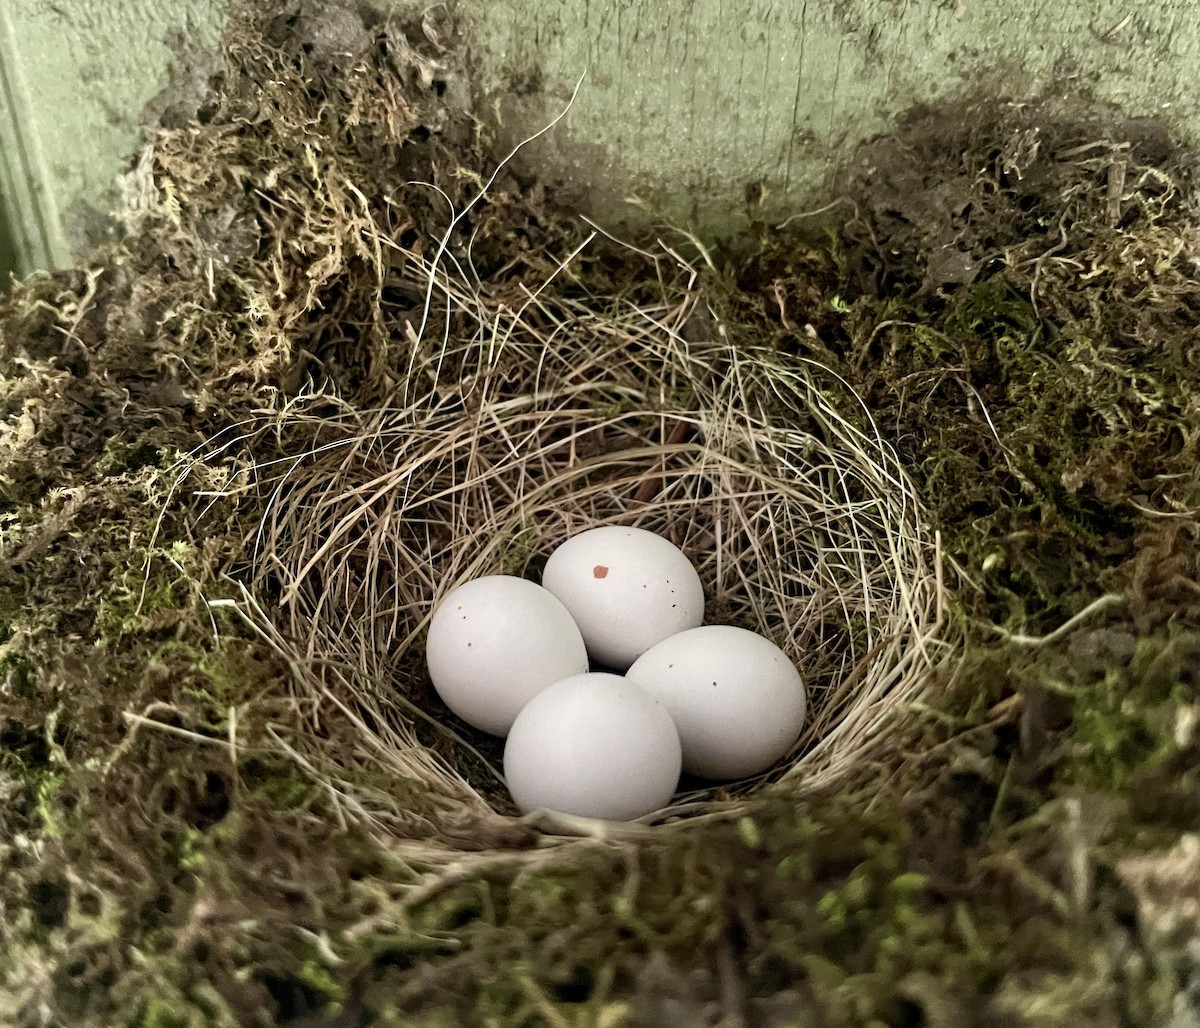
[(161, 1013), (137, 601), (320, 980), (859, 921)]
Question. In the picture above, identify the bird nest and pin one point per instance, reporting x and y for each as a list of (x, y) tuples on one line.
[(517, 424)]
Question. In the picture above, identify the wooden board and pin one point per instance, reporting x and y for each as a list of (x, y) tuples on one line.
[(690, 106)]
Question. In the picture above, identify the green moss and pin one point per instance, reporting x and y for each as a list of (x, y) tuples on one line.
[(287, 790), (165, 1014), (45, 789), (149, 594), (856, 922), (320, 980)]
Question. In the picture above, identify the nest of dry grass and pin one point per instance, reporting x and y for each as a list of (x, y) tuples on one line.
[(519, 424)]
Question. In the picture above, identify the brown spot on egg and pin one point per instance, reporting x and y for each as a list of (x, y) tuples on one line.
[(599, 571)]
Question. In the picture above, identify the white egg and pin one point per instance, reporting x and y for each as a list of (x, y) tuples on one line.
[(627, 590), (594, 745), (736, 699), (496, 642)]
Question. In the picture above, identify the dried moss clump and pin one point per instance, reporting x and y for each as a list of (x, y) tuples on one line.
[(1013, 301)]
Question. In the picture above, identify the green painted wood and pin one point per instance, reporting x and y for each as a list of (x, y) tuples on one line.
[(685, 103), (28, 226), (75, 76)]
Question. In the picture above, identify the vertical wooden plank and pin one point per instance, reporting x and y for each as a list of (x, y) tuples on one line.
[(30, 229), (75, 76)]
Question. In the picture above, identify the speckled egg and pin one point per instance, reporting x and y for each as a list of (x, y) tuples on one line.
[(494, 643), (738, 702), (627, 589)]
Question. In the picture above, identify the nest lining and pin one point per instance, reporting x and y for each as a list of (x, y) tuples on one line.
[(522, 426)]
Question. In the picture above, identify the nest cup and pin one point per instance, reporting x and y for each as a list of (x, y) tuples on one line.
[(541, 421)]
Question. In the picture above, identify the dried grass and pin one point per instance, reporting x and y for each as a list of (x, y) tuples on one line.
[(524, 424)]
